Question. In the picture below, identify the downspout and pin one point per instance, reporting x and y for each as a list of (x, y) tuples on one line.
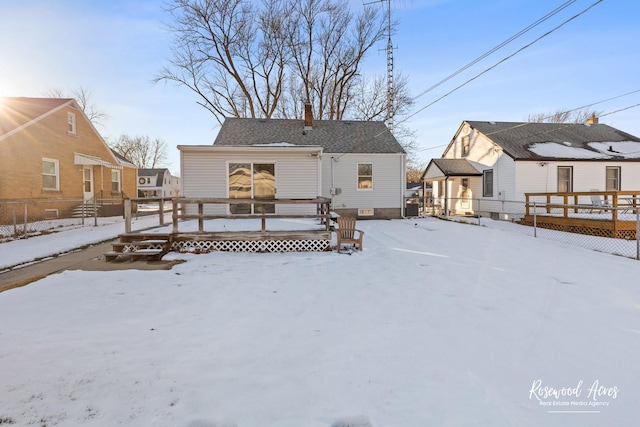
[(403, 185), (319, 178), (446, 196), (331, 191)]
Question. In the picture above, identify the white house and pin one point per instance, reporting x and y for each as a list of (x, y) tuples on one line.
[(359, 165), (489, 166), (158, 183)]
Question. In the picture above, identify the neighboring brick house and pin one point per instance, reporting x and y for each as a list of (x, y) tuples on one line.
[(50, 152)]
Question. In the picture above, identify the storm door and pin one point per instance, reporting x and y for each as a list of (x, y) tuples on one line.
[(87, 182)]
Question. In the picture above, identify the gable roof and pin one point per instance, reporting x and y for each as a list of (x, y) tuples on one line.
[(443, 168), (17, 113), (332, 135), (154, 172), (560, 141), (122, 159)]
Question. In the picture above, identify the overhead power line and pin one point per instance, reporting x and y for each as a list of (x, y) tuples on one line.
[(502, 61), (547, 117), (498, 47)]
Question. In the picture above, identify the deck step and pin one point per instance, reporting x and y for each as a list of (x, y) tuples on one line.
[(135, 246)]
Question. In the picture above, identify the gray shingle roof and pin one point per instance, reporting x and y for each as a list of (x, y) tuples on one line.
[(332, 135), (456, 167), (153, 172), (517, 137)]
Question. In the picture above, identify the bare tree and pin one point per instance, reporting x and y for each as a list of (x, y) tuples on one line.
[(415, 171), (563, 116), (84, 99), (263, 59), (141, 150)]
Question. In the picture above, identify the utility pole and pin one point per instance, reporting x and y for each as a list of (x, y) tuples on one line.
[(390, 85)]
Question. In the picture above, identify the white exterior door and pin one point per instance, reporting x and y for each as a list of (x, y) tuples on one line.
[(87, 182)]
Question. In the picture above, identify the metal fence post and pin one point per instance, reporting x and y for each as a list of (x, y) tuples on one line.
[(535, 219), (15, 219), (95, 212), (638, 234), (26, 219)]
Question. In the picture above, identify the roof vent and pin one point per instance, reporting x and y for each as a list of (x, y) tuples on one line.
[(492, 123)]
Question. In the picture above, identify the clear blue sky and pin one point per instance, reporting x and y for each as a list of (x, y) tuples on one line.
[(115, 47)]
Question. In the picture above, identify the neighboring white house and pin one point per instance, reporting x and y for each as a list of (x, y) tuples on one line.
[(359, 165), (158, 183), (489, 166)]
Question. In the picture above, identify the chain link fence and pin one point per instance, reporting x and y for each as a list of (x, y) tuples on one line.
[(25, 218), (614, 230)]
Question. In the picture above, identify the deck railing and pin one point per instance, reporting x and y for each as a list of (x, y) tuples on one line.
[(613, 202), (183, 209)]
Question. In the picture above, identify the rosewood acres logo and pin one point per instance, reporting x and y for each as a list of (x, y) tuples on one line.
[(574, 398)]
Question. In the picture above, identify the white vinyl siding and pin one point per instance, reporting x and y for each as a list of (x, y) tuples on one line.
[(205, 174), (388, 176), (480, 149)]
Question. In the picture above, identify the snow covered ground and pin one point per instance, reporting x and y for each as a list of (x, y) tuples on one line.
[(436, 323)]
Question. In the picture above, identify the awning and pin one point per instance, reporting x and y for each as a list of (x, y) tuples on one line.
[(85, 159), (441, 169)]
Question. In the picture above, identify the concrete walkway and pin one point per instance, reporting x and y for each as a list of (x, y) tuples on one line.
[(90, 258)]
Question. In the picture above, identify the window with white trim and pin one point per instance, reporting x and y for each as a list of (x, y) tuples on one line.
[(50, 175), (71, 123), (565, 179), (487, 183), (465, 146), (115, 181), (613, 178), (365, 176)]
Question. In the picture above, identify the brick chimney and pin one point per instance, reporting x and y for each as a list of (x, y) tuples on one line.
[(308, 116), (593, 120)]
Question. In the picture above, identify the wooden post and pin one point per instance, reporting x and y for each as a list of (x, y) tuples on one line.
[(548, 203), (161, 206), (327, 215), (200, 216), (127, 215), (174, 215)]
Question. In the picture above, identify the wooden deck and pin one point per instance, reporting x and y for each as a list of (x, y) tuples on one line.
[(261, 238), (602, 226), (575, 213)]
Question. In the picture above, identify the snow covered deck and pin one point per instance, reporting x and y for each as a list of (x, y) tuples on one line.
[(194, 230)]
